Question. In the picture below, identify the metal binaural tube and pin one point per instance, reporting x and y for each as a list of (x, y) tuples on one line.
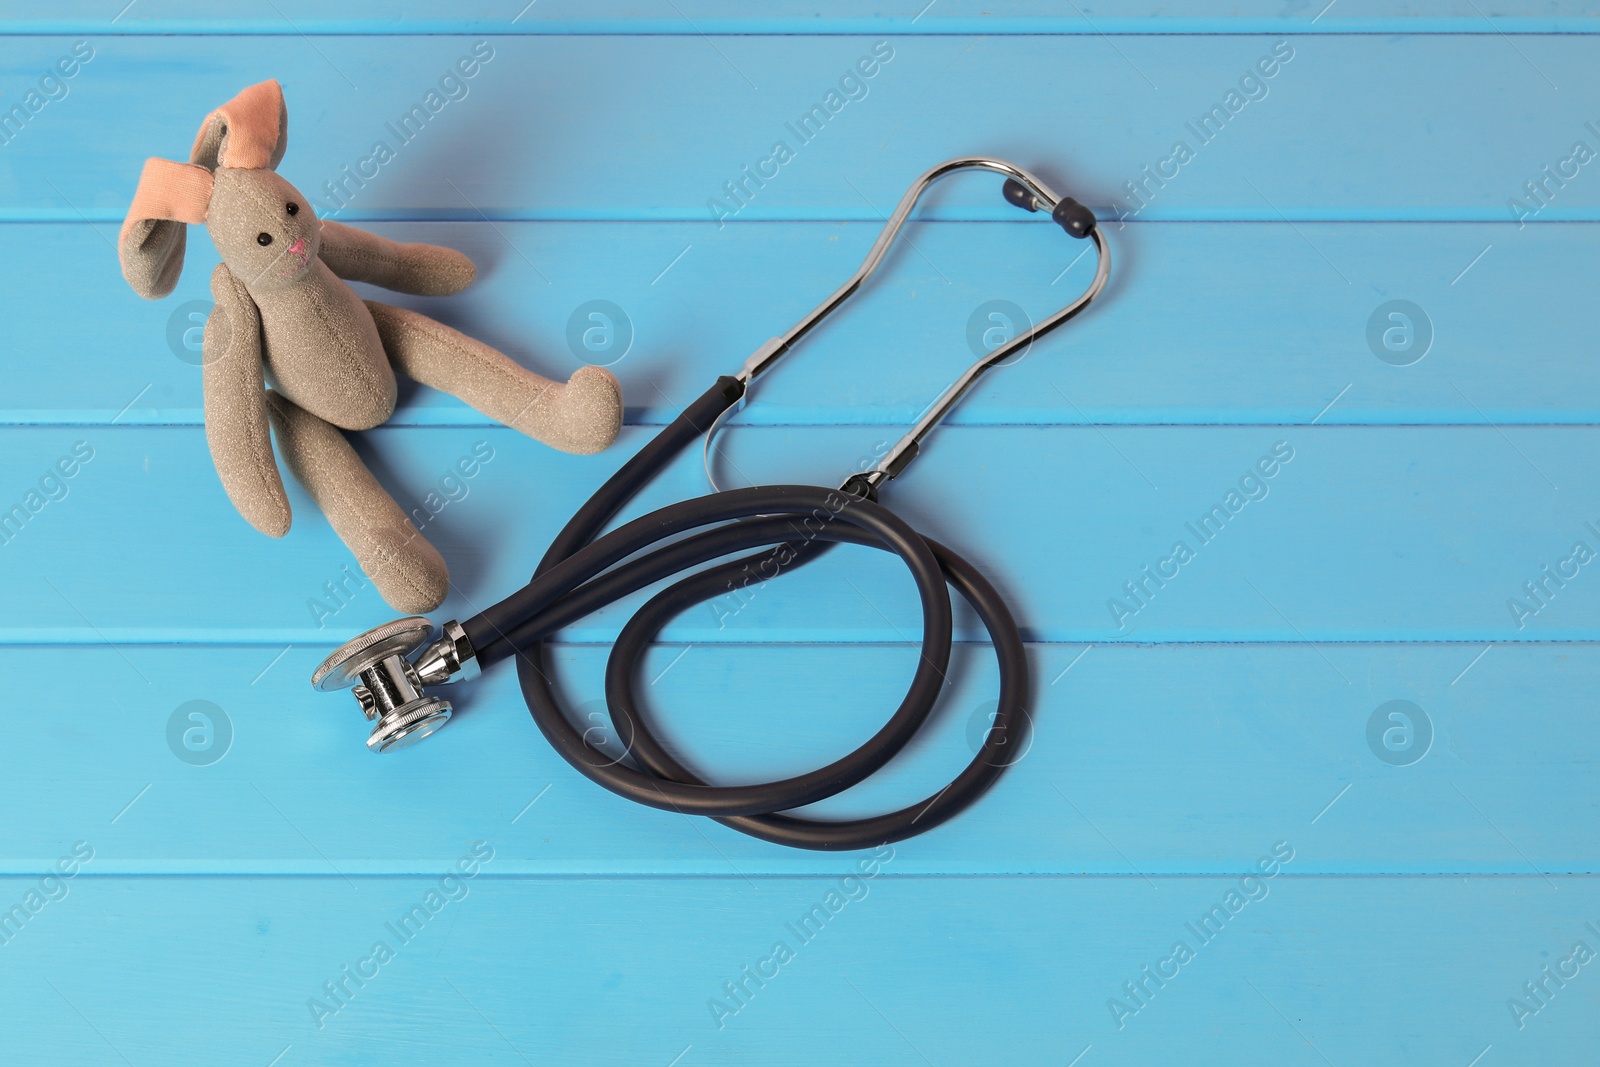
[(905, 450), (769, 352), (1022, 189)]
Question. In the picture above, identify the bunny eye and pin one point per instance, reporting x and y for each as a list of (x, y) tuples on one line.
[(263, 239), (292, 207)]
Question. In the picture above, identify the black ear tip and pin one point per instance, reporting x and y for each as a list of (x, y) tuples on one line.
[(1017, 194), (1073, 217), (1070, 215)]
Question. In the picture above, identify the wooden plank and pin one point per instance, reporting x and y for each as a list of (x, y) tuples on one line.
[(1306, 149), (1407, 533), (1204, 323), (1150, 761), (725, 17), (527, 971), (1382, 664)]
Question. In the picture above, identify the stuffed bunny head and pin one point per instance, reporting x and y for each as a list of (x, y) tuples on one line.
[(263, 227), (265, 231)]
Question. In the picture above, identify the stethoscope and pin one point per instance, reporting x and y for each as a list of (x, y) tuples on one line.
[(583, 570)]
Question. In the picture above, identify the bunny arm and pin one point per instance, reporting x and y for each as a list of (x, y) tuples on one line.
[(420, 269), (237, 424)]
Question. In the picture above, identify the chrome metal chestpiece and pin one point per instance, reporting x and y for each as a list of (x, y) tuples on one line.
[(388, 685)]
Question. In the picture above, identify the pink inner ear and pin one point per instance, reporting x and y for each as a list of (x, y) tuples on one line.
[(254, 119), (167, 190)]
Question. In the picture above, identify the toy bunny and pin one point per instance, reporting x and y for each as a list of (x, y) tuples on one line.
[(291, 346)]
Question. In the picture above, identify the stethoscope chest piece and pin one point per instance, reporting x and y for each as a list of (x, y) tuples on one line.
[(388, 685), (784, 526)]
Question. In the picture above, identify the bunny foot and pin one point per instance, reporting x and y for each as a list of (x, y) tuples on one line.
[(581, 417), (408, 572)]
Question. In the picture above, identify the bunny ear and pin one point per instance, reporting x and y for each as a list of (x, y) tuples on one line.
[(170, 196), (249, 132)]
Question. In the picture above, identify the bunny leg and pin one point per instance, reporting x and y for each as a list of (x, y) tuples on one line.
[(408, 572), (582, 416), (236, 407)]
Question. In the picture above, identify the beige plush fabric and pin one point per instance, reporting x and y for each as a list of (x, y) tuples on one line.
[(168, 190), (286, 319), (251, 131), (581, 417), (425, 270), (408, 572), (151, 243), (236, 408)]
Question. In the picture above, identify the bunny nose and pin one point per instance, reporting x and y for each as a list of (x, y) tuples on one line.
[(298, 247)]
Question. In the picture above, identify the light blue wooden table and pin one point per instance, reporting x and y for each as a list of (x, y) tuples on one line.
[(1218, 764)]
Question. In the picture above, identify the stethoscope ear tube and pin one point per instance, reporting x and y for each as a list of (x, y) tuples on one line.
[(771, 514), (584, 570), (1007, 733), (490, 629), (770, 517)]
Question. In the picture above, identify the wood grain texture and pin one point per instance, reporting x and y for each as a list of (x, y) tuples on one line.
[(728, 17), (653, 127), (1366, 533), (1185, 727), (691, 302), (620, 971), (1157, 761)]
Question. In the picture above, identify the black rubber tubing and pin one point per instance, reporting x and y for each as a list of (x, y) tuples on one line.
[(583, 571)]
